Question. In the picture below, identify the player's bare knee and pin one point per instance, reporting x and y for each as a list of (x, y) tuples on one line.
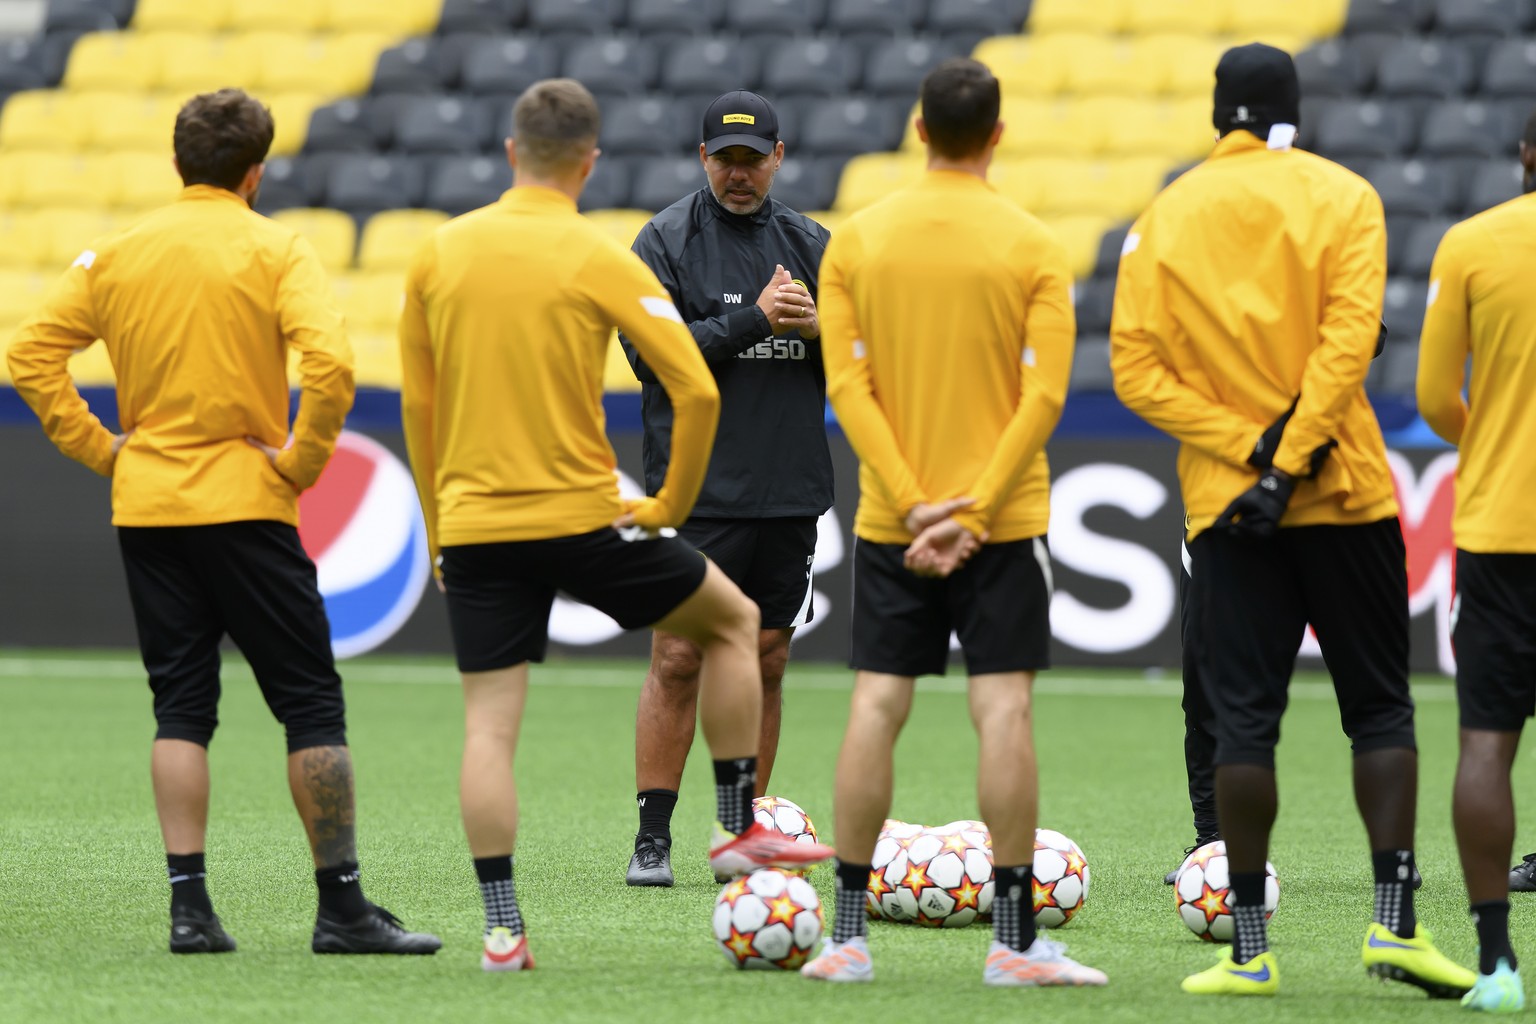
[(675, 662)]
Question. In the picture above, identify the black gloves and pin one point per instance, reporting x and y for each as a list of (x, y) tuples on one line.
[(1256, 512), (1381, 341), (1263, 455)]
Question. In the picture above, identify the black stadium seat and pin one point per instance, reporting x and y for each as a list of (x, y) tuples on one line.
[(1511, 69), (1090, 364), (1462, 128), (1482, 17), (1365, 128), (1095, 304), (897, 67), (460, 184), (807, 183), (21, 64), (1497, 182), (613, 64), (645, 124), (649, 17), (853, 125), (821, 66), (506, 65), (1403, 310), (775, 17), (1422, 243), (866, 20), (1107, 262), (364, 185), (1331, 68), (292, 181), (483, 16), (660, 183), (341, 127), (443, 124), (416, 65), (1388, 16), (1415, 187), (977, 18), (87, 15), (576, 15), (610, 185), (1424, 67), (710, 65)]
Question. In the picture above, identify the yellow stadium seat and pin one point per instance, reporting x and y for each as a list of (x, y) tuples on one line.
[(65, 232), (44, 119), (21, 243), (873, 176), (1108, 188), (331, 64), (828, 219), (331, 232), (1029, 66), (1080, 235), (1098, 16), (1119, 67), (371, 301), (181, 15), (1059, 127), (192, 63), (142, 122), (92, 367), (398, 17), (1203, 17), (1188, 63), (392, 238), (21, 293), (1311, 19), (1014, 179), (618, 375), (1176, 130), (376, 360), (144, 180), (1287, 41), (277, 16), (58, 179), (113, 61), (623, 225), (290, 118)]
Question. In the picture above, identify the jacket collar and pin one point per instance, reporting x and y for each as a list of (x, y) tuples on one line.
[(536, 197), (1239, 141), (744, 221), (212, 192)]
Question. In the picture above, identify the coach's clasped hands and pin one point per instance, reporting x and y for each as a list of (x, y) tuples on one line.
[(941, 545), (789, 306)]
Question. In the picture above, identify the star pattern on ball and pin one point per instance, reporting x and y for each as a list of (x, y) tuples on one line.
[(766, 803), (782, 910), (878, 886), (1206, 853), (917, 879), (1042, 895), (734, 891), (1075, 862), (956, 843), (795, 960), (1212, 903), (741, 945), (967, 894)]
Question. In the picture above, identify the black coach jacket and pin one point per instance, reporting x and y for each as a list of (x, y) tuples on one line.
[(770, 458)]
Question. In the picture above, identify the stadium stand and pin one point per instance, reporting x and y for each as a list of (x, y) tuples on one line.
[(391, 116)]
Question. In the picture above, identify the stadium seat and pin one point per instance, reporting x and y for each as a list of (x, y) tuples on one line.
[(1400, 369), (1106, 64), (338, 64), (1459, 128), (613, 64), (113, 61), (1307, 19), (1106, 262), (506, 65), (64, 232), (575, 15), (341, 127), (180, 15), (397, 17), (1013, 177), (86, 15), (660, 183), (363, 185), (1482, 17), (277, 16), (1117, 189), (416, 66), (610, 185), (21, 293), (370, 301), (1079, 235), (1175, 130), (1331, 68), (650, 17), (1437, 68), (1090, 365), (709, 65), (142, 181), (331, 232), (443, 124), (896, 67), (392, 238), (978, 18), (882, 17), (1496, 183), (1027, 66), (622, 225), (459, 185), (485, 16), (1422, 243), (1185, 65), (292, 181), (775, 16), (644, 124), (1388, 16), (853, 125), (1414, 187), (1198, 17), (1511, 69), (21, 65), (1101, 17), (21, 244), (821, 66), (1367, 128), (872, 176), (807, 183), (49, 119), (55, 179), (1403, 311), (191, 63), (1056, 127)]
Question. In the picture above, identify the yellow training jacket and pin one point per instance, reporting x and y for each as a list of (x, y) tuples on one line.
[(947, 332), (1480, 302), (508, 315), (198, 305), (1256, 277)]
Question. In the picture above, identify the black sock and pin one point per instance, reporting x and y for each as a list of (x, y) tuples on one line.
[(1249, 936), (735, 779), (852, 887), (341, 891), (1394, 891), (1492, 922), (1013, 907), (189, 891), (656, 806), (501, 911)]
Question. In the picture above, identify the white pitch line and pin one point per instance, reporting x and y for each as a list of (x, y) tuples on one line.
[(25, 669)]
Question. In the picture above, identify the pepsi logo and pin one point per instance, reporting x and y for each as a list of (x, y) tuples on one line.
[(362, 525)]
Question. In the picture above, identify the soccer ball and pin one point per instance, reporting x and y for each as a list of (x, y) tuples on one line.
[(895, 837), (785, 817), (939, 881), (768, 920), (1202, 895), (1060, 884)]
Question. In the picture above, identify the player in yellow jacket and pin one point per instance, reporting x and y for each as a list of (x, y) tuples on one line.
[(198, 305), (1480, 306), (1253, 283), (947, 331), (508, 315)]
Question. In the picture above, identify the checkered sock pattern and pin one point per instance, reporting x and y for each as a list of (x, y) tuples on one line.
[(1394, 891), (851, 920), (735, 779), (1013, 910), (495, 874), (1249, 936)]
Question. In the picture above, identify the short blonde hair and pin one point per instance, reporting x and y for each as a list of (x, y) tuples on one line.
[(555, 124)]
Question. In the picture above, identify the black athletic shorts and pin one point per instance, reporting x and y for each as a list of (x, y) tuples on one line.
[(998, 603), (769, 559), (192, 585), (500, 595), (1494, 630), (1253, 601)]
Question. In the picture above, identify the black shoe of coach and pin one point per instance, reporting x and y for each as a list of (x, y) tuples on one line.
[(378, 931)]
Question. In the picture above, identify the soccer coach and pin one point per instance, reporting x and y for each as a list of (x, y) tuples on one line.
[(741, 268), (198, 305), (1255, 278)]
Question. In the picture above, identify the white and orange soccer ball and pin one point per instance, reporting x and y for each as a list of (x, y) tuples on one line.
[(768, 920), (938, 881), (785, 817), (895, 837), (1202, 892), (1061, 878)]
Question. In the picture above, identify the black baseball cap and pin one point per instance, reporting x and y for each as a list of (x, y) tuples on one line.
[(1256, 88), (740, 118)]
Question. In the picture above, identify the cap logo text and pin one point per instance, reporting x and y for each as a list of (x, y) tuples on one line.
[(738, 119)]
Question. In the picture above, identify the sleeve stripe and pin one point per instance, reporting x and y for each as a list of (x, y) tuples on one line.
[(662, 308)]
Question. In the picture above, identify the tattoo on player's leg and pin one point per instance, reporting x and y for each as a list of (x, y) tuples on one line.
[(328, 780)]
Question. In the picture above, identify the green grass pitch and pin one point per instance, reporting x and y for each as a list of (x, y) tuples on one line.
[(83, 914)]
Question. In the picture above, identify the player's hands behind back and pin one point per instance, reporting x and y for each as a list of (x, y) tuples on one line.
[(1255, 514), (941, 545)]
